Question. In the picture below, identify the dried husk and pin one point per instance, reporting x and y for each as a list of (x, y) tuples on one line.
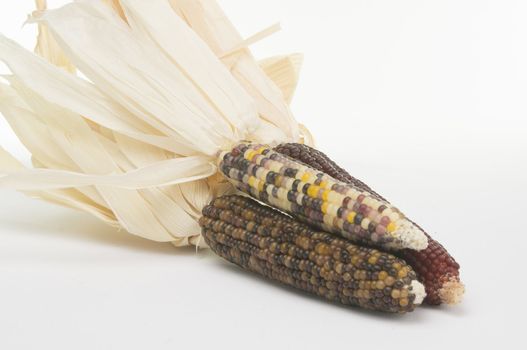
[(165, 85)]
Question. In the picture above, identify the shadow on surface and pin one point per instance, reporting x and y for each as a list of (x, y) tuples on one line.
[(409, 318), (64, 224)]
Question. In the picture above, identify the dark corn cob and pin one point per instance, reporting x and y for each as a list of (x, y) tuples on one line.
[(314, 197), (435, 267), (263, 240)]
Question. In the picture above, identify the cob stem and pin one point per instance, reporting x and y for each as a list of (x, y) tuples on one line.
[(451, 291)]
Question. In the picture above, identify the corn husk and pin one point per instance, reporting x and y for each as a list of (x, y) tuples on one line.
[(164, 86)]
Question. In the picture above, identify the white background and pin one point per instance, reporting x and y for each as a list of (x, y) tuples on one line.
[(426, 100)]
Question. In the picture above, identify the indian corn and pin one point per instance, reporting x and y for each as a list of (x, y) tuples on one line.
[(316, 198), (435, 267), (265, 241)]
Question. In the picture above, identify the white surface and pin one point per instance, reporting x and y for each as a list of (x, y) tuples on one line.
[(423, 99)]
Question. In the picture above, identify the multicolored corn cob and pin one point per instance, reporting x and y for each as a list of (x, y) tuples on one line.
[(435, 267), (318, 199), (265, 241)]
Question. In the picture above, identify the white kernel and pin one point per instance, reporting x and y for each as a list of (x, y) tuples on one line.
[(299, 198), (328, 220), (394, 216), (365, 223), (333, 209), (260, 173), (335, 197), (339, 197), (282, 194)]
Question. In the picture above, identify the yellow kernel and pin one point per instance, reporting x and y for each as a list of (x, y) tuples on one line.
[(389, 281), (396, 293), (324, 207), (305, 177), (382, 275), (261, 186), (323, 249), (403, 302), (325, 195), (397, 266), (391, 227), (351, 216), (252, 180), (324, 184), (312, 191), (404, 293), (261, 149), (372, 260), (402, 273), (250, 155)]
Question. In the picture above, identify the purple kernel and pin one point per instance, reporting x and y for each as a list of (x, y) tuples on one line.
[(380, 230), (362, 208)]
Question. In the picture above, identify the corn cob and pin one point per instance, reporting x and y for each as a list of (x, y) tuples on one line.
[(435, 267), (318, 199), (261, 239)]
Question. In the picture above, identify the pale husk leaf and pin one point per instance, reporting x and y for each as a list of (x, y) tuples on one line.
[(284, 71), (47, 47), (209, 21), (135, 144)]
